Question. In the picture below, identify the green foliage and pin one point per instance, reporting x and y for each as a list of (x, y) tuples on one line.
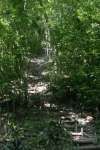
[(75, 34), (54, 137), (21, 33), (34, 133)]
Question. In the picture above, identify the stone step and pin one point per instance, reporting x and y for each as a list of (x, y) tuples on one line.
[(88, 147), (69, 127), (84, 140), (68, 122)]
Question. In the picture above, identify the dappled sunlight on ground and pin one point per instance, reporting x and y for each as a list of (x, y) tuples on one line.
[(36, 76), (40, 87), (38, 60)]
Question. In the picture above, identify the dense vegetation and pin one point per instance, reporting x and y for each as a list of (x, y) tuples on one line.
[(21, 34), (75, 34), (70, 30)]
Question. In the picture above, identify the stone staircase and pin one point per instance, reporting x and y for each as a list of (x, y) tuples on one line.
[(37, 83), (82, 131)]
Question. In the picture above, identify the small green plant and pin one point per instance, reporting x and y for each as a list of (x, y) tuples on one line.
[(54, 137), (13, 140)]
